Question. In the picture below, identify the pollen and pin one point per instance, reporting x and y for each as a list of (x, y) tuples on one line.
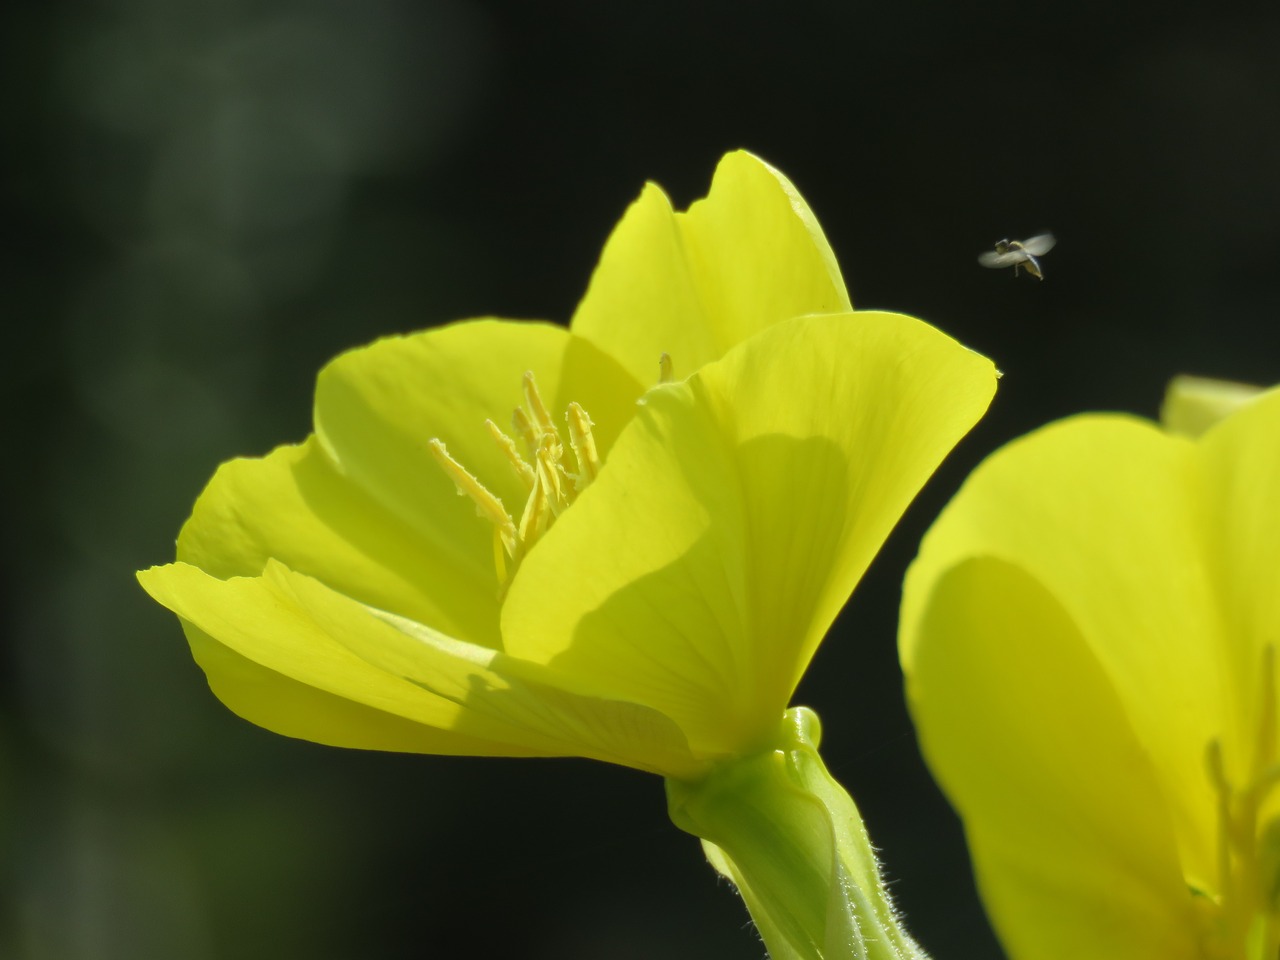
[(550, 488), (1246, 914)]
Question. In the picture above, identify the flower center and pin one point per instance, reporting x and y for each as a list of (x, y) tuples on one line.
[(549, 486), (1246, 912)]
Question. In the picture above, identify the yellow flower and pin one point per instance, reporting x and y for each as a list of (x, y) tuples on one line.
[(1089, 635), (654, 564)]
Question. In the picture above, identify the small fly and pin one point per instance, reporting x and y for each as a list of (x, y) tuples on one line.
[(1019, 254)]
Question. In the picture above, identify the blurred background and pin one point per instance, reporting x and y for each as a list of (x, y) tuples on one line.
[(207, 200)]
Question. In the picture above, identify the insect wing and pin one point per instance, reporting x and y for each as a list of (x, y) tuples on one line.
[(992, 259), (1039, 246)]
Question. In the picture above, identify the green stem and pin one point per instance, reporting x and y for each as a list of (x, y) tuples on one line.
[(790, 838)]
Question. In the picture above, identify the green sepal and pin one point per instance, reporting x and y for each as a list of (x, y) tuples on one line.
[(790, 838)]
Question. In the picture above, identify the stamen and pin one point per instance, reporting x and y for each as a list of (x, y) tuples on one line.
[(508, 447), (536, 517), (499, 556), (1269, 860), (583, 443), (487, 505), (1222, 789), (665, 368), (1265, 745), (550, 472), (536, 407), (540, 470), (525, 430), (1248, 852)]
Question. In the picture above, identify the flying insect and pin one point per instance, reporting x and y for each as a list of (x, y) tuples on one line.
[(1019, 254)]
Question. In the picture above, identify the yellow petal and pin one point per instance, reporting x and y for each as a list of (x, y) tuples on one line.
[(365, 508), (1240, 463), (292, 708), (1106, 514), (732, 519), (1068, 825), (694, 284), (293, 505), (288, 653), (269, 661)]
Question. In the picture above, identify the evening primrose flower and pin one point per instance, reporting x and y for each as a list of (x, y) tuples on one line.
[(663, 509), (339, 591), (1089, 635)]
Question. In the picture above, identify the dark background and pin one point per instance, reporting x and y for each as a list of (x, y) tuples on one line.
[(207, 200)]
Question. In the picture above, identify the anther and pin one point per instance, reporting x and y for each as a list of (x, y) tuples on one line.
[(550, 472), (541, 418), (1222, 790), (525, 430), (508, 447), (583, 443), (666, 370), (487, 505), (545, 479), (1248, 850), (537, 515)]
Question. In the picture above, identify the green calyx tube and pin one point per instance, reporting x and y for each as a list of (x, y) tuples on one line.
[(790, 838)]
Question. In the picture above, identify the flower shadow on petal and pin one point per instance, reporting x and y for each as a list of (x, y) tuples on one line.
[(446, 583), (699, 622)]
